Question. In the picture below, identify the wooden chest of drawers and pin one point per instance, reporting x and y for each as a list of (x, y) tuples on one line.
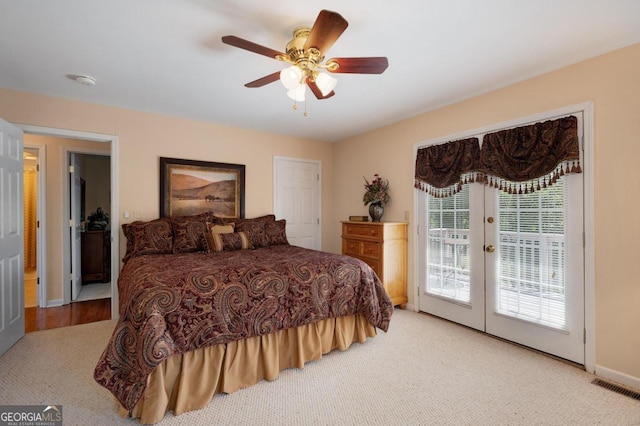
[(95, 263), (383, 246)]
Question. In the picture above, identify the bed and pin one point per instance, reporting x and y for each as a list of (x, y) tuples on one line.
[(210, 305)]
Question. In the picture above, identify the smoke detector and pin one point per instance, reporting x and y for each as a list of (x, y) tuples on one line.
[(85, 80)]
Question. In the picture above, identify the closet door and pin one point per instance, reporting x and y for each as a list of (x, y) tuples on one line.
[(296, 193)]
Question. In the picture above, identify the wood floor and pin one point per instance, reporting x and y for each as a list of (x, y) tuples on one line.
[(63, 316)]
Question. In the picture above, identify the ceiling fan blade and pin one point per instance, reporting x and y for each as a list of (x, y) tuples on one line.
[(316, 90), (250, 46), (370, 65), (264, 80), (326, 30)]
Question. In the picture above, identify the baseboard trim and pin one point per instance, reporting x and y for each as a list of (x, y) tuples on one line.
[(618, 377), (54, 303)]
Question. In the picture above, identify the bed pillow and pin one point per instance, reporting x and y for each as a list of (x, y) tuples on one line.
[(227, 228), (255, 232), (276, 232), (228, 242), (265, 218), (215, 229), (188, 232), (152, 237)]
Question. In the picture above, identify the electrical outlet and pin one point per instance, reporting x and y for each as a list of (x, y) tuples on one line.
[(406, 215), (126, 214)]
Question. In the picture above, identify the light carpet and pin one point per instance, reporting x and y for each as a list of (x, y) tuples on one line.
[(424, 371)]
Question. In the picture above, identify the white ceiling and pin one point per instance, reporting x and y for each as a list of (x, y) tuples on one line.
[(165, 56)]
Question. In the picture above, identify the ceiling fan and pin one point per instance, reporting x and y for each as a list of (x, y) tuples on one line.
[(306, 53)]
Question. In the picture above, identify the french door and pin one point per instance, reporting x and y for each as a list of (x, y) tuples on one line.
[(511, 265)]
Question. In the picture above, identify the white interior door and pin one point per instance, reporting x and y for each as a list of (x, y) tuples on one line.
[(74, 224), (296, 199), (11, 237)]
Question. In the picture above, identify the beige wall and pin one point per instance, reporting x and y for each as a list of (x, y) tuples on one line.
[(612, 83)]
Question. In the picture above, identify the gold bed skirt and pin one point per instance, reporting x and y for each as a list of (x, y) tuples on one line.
[(187, 382)]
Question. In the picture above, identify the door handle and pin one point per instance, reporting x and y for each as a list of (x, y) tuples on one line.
[(490, 248)]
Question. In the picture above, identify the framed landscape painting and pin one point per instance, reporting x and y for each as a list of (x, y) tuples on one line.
[(189, 187)]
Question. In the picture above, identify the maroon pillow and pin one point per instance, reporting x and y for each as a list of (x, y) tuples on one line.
[(153, 237), (255, 232), (189, 231), (264, 219), (254, 228), (227, 242), (276, 232)]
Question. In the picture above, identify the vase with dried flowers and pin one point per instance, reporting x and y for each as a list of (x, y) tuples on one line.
[(376, 195)]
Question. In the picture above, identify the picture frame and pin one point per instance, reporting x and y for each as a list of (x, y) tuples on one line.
[(189, 187)]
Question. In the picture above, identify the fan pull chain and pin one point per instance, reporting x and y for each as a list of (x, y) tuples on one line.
[(295, 107)]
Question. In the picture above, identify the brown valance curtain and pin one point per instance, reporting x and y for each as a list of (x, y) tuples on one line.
[(519, 160), (441, 170)]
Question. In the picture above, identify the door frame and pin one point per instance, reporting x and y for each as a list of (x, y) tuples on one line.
[(586, 108), (41, 218), (115, 201)]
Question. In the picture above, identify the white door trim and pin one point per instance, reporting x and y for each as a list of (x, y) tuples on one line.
[(66, 214), (586, 108), (115, 199)]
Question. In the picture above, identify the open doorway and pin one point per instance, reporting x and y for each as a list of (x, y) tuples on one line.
[(32, 188), (54, 276), (90, 232)]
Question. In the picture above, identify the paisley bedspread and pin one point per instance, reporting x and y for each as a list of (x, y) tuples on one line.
[(172, 304)]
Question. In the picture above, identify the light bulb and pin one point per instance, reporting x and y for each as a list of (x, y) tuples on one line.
[(325, 83), (290, 77), (298, 93)]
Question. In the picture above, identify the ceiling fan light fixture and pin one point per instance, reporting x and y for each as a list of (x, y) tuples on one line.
[(290, 77), (298, 93), (325, 83)]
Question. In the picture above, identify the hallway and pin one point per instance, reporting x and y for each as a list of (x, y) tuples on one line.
[(37, 319)]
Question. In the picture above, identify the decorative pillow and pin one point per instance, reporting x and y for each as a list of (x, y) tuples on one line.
[(188, 232), (255, 232), (228, 242), (229, 228), (153, 237), (214, 229), (265, 218), (276, 232)]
